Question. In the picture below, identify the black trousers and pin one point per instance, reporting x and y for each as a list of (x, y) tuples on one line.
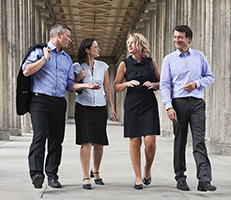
[(190, 111), (48, 120)]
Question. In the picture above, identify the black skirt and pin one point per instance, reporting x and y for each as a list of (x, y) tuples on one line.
[(91, 124)]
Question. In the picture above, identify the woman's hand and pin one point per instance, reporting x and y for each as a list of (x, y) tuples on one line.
[(113, 114), (132, 83), (83, 74), (150, 85)]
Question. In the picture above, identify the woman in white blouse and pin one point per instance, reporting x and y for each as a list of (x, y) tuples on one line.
[(90, 110)]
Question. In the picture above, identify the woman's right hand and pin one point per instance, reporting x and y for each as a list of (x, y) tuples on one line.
[(132, 83), (83, 74)]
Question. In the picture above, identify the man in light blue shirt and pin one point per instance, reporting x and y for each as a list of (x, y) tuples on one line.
[(184, 74), (51, 73)]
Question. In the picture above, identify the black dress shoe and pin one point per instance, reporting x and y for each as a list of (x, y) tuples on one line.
[(139, 187), (37, 181), (205, 186), (97, 181), (147, 181), (54, 183), (182, 185), (87, 186)]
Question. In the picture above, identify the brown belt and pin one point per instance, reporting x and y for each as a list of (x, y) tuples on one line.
[(52, 98)]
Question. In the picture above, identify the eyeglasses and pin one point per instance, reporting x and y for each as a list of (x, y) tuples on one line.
[(96, 47)]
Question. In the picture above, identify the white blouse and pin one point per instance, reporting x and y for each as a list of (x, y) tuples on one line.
[(90, 97)]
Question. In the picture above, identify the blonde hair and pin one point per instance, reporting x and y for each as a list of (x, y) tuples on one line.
[(140, 43)]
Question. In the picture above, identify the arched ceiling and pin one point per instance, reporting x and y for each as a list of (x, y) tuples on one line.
[(108, 21)]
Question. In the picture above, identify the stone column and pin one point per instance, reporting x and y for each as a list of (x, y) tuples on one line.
[(145, 18), (45, 16), (38, 22), (13, 63), (31, 22), (4, 104), (152, 33), (220, 107), (24, 33)]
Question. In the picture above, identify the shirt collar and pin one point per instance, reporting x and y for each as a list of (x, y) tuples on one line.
[(179, 53), (53, 47)]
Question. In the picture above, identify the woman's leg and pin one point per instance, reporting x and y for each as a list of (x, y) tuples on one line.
[(97, 157), (85, 154), (135, 144), (150, 150)]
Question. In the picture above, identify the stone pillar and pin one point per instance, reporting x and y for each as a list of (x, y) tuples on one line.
[(45, 16), (145, 18), (24, 35), (13, 63), (4, 104), (220, 107), (38, 22), (31, 22), (152, 33)]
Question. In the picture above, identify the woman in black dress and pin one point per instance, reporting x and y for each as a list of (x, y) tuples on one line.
[(141, 116)]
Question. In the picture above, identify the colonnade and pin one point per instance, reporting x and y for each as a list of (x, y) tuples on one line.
[(25, 22)]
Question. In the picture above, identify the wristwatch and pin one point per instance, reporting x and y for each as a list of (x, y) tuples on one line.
[(43, 57)]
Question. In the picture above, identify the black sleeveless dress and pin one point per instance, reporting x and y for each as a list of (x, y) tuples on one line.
[(141, 116)]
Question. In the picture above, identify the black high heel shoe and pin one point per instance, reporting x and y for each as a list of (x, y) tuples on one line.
[(87, 186), (147, 181), (139, 187), (97, 181)]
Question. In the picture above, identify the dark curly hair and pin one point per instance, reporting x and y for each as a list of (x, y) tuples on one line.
[(82, 54)]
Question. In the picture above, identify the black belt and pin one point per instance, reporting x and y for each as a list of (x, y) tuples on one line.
[(52, 98), (189, 98)]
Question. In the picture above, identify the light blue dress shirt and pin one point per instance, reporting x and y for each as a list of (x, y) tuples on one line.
[(90, 97), (55, 76), (178, 69)]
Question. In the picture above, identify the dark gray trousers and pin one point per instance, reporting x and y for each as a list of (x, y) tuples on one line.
[(190, 111)]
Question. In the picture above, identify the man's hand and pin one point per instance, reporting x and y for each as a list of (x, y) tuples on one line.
[(172, 114), (190, 86), (47, 52)]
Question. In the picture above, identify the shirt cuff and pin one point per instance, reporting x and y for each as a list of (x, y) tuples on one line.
[(168, 105), (69, 84), (198, 84)]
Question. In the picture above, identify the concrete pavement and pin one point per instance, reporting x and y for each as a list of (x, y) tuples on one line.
[(116, 171)]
